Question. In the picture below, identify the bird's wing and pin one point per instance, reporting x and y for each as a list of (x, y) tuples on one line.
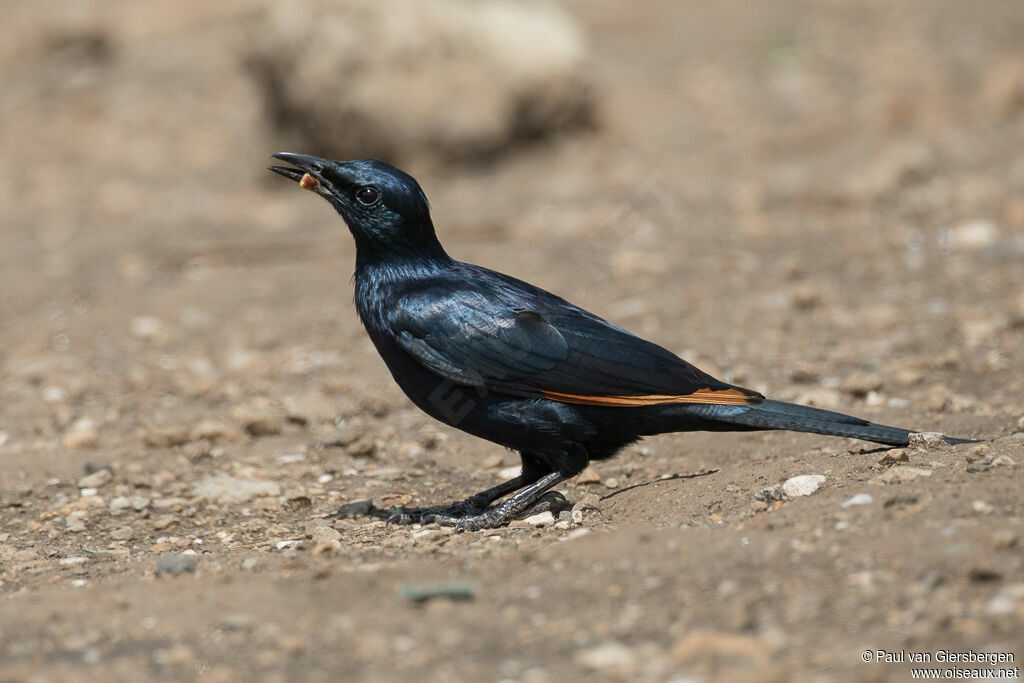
[(558, 352)]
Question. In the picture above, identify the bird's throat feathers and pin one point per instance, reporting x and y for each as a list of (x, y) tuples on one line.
[(379, 281)]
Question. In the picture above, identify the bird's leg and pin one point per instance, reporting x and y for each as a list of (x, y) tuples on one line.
[(533, 469), (473, 505), (476, 505), (502, 512)]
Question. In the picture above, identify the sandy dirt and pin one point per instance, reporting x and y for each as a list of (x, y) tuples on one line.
[(820, 200)]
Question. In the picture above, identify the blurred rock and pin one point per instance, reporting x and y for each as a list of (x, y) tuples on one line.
[(612, 658), (99, 478), (926, 441), (1003, 85), (858, 499), (901, 474), (82, 434), (309, 407), (584, 507), (1009, 600), (452, 79), (803, 485), (341, 437), (861, 383), (588, 476), (769, 494), (123, 503), (175, 563), (223, 488), (363, 447), (716, 646), (165, 436), (898, 166), (323, 534), (259, 417), (893, 457), (821, 397), (973, 235), (215, 430), (146, 327), (75, 521), (540, 519)]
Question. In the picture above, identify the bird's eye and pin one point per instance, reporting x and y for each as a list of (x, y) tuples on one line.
[(367, 196)]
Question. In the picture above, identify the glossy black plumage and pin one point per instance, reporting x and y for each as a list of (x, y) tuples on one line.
[(516, 365)]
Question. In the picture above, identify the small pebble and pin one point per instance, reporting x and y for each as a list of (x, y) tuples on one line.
[(1007, 601), (896, 455), (223, 488), (901, 474), (974, 235), (175, 563), (769, 494), (1004, 539), (97, 479), (451, 590), (324, 534), (981, 507), (587, 504), (215, 430), (341, 437), (541, 519), (359, 508), (146, 326), (82, 434), (859, 499), (803, 485), (927, 440), (611, 657)]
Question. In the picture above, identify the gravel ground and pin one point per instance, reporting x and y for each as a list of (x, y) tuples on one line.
[(822, 201)]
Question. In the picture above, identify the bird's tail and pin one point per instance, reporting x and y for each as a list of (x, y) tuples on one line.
[(780, 415)]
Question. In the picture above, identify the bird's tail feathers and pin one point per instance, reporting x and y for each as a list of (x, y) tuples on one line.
[(781, 415)]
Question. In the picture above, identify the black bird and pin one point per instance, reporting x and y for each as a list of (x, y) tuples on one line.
[(511, 363)]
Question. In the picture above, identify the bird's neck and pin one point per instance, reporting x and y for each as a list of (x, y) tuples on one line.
[(380, 281), (398, 259)]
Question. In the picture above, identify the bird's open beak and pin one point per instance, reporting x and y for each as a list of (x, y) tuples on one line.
[(306, 171)]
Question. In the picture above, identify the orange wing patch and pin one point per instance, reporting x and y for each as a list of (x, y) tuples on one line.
[(712, 396)]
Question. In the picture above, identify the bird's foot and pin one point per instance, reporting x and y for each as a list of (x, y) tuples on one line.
[(473, 513), (552, 501), (399, 515), (430, 515), (502, 513)]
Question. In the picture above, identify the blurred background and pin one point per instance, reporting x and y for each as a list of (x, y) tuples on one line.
[(819, 199)]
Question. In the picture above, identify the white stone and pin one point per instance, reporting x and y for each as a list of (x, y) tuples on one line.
[(609, 656), (859, 499), (803, 485), (541, 519), (972, 235)]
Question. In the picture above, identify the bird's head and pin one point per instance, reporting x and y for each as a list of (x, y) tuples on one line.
[(384, 208)]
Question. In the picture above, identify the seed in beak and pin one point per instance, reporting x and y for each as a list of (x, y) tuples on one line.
[(307, 182)]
